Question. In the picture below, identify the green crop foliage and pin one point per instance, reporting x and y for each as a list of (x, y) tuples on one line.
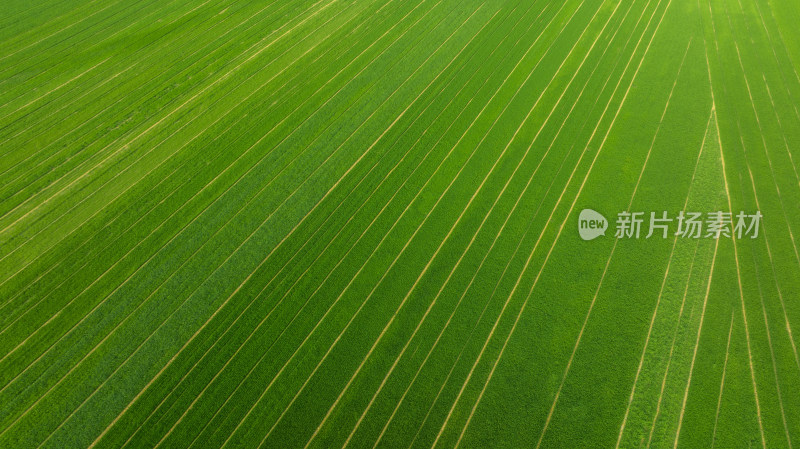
[(354, 223)]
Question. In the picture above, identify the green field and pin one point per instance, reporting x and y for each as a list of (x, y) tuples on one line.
[(355, 223)]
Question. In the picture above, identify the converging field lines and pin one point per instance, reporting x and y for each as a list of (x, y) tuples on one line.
[(340, 223)]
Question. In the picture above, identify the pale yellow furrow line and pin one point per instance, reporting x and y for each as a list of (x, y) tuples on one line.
[(494, 241), (346, 288), (96, 44), (363, 233), (764, 310), (235, 353), (140, 305), (197, 398), (722, 383), (472, 280), (788, 151), (780, 201), (608, 262), (408, 294), (402, 114), (196, 194), (222, 264), (53, 113), (55, 88), (52, 267), (140, 18), (657, 414), (744, 312), (218, 135), (669, 262), (775, 55), (128, 144), (60, 30), (388, 232), (769, 251), (735, 247), (697, 344), (483, 390), (446, 238), (450, 232), (485, 345), (123, 98), (469, 376), (367, 228), (783, 42), (561, 228), (153, 256), (151, 170)]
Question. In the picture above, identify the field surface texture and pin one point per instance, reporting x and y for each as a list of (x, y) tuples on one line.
[(355, 223)]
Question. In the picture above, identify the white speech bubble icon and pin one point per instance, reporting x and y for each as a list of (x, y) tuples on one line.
[(591, 224)]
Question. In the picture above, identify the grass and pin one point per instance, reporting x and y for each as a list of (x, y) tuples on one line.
[(340, 223)]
